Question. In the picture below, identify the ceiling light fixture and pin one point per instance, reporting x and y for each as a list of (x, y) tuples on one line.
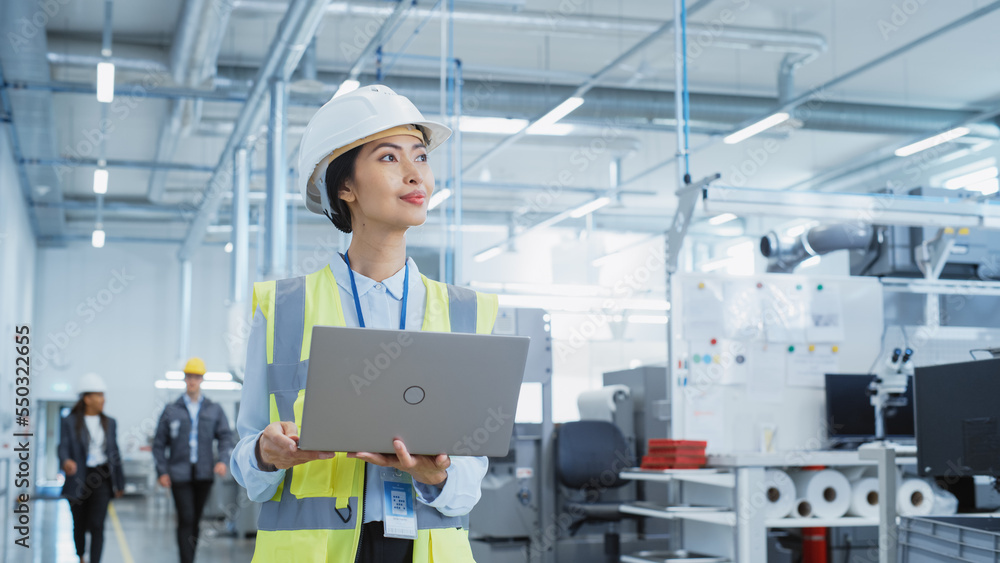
[(438, 198), (972, 178), (491, 252), (97, 238), (934, 141), (759, 127), (101, 181), (589, 207), (557, 113), (105, 82), (722, 219)]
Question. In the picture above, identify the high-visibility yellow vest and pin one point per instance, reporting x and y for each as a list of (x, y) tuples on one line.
[(315, 515)]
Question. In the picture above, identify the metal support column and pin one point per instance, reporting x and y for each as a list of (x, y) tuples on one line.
[(887, 529), (275, 251), (185, 337), (241, 225)]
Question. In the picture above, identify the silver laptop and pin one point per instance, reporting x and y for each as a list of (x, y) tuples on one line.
[(439, 392)]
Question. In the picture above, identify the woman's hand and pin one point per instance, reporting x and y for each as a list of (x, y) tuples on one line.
[(426, 469), (279, 446), (69, 467)]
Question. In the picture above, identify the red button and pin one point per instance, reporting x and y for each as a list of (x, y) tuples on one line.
[(714, 342)]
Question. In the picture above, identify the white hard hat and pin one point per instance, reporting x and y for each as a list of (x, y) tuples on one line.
[(347, 119), (91, 383)]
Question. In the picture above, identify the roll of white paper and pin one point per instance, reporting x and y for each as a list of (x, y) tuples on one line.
[(945, 503), (864, 498), (779, 489), (601, 404), (801, 509), (828, 492), (915, 497)]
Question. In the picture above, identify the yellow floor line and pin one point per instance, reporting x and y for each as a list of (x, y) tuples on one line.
[(122, 543)]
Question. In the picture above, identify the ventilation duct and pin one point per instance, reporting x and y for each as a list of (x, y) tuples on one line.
[(785, 252)]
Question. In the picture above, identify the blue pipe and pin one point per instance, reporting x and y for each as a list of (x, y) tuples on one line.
[(406, 44), (15, 145), (686, 96)]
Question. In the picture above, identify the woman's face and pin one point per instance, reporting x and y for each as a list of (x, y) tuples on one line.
[(391, 186), (94, 401)]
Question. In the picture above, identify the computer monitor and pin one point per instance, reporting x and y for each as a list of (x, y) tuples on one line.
[(851, 416), (958, 419)]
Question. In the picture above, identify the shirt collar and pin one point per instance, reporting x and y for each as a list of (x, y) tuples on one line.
[(394, 284), (187, 399)]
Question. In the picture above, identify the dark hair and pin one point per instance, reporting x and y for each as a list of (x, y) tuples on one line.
[(337, 174), (80, 409)]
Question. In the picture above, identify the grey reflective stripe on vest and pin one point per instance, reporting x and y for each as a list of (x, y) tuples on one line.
[(289, 318), (315, 513), (286, 375), (462, 309)]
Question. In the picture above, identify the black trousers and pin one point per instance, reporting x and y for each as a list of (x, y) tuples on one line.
[(90, 510), (189, 498), (376, 548)]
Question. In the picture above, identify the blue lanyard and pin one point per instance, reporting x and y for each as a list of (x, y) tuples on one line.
[(357, 300)]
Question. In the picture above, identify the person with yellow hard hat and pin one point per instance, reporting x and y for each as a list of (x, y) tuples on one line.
[(188, 428), (363, 163)]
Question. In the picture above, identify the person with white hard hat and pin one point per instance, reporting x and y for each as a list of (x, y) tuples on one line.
[(182, 450), (363, 163), (89, 456)]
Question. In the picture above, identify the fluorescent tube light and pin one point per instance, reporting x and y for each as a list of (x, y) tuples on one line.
[(218, 376), (713, 265), (589, 207), (164, 384), (986, 187), (971, 178), (101, 181), (105, 82), (498, 125), (934, 141), (557, 113), (222, 385), (491, 252), (346, 87), (97, 239), (759, 127), (438, 198), (648, 319), (721, 219)]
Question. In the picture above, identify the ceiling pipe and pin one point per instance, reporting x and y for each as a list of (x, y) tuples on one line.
[(779, 40), (32, 120), (581, 90), (198, 37), (293, 36)]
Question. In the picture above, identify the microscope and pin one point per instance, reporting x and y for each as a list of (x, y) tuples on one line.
[(888, 389)]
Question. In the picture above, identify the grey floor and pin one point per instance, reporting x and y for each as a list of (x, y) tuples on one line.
[(147, 536)]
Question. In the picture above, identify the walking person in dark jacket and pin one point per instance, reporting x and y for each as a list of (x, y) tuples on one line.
[(187, 428), (89, 456)]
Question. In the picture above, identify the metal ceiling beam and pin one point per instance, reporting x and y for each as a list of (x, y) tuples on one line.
[(821, 90), (583, 88), (32, 125), (294, 33), (197, 40)]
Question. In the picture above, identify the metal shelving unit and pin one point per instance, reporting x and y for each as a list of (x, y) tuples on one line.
[(746, 524)]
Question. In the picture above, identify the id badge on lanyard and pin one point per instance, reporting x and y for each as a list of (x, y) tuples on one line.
[(398, 505)]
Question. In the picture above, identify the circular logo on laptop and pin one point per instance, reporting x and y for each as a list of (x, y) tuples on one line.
[(413, 395)]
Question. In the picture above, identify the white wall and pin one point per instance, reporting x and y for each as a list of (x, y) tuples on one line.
[(116, 311), (17, 272)]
